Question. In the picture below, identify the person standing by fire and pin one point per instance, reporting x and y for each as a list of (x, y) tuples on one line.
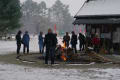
[(66, 40), (50, 42), (96, 43), (74, 41), (82, 41)]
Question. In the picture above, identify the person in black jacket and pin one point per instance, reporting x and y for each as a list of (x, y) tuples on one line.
[(74, 41), (18, 41), (82, 41), (66, 40), (50, 42)]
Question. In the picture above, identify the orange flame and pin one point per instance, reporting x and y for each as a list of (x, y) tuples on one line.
[(64, 45), (63, 57)]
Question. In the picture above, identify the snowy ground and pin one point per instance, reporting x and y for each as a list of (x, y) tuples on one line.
[(15, 72), (10, 46)]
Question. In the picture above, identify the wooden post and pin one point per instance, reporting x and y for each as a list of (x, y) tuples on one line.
[(112, 35)]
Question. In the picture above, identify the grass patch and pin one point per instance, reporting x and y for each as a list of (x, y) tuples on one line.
[(11, 59)]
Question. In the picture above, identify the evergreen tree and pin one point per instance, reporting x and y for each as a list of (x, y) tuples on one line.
[(35, 17), (10, 15), (61, 16)]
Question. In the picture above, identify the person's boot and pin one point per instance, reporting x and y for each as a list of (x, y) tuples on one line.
[(23, 51), (75, 51), (27, 51), (52, 61)]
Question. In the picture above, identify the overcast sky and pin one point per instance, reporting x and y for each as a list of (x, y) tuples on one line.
[(74, 5)]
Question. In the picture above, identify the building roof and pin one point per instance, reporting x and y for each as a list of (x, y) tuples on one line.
[(100, 8), (97, 21)]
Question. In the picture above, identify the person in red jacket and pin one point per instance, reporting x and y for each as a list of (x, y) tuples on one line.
[(96, 43)]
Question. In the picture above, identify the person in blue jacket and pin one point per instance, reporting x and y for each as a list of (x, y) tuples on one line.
[(41, 39), (25, 41)]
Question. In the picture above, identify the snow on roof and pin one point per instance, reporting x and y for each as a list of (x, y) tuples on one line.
[(100, 7)]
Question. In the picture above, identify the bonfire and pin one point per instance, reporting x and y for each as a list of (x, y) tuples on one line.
[(61, 52)]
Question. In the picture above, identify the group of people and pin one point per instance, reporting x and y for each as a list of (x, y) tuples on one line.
[(22, 40), (50, 42), (73, 41)]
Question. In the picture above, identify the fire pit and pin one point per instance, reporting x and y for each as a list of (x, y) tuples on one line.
[(68, 55)]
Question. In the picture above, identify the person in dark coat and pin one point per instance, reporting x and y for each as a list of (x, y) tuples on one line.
[(18, 41), (56, 40), (41, 39), (50, 42), (74, 41), (25, 41), (66, 39), (81, 41)]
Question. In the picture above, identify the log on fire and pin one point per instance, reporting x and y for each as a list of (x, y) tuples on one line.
[(89, 56), (98, 58)]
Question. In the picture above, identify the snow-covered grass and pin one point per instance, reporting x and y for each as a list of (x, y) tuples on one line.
[(7, 46), (14, 72), (10, 46)]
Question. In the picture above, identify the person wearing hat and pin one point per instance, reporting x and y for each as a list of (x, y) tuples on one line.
[(50, 43), (25, 41), (74, 41)]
